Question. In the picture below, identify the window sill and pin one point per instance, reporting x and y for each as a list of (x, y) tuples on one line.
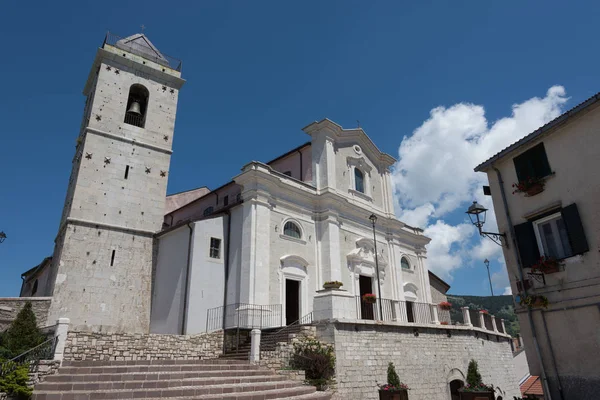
[(360, 195), (412, 271), (293, 239)]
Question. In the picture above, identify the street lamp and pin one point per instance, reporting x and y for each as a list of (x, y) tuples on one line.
[(477, 214), (487, 264), (2, 236), (373, 219)]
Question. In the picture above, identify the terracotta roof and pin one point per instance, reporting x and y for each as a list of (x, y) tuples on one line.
[(533, 135), (533, 385)]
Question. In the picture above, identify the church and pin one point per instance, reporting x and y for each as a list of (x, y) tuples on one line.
[(130, 258)]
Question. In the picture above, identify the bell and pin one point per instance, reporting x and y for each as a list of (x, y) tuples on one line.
[(135, 108)]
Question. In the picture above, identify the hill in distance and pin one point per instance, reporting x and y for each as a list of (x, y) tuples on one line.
[(500, 306)]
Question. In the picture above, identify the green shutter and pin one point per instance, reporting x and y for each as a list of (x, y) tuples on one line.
[(527, 244), (532, 164), (575, 230)]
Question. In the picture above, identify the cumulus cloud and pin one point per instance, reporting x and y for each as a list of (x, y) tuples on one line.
[(434, 177), (507, 290)]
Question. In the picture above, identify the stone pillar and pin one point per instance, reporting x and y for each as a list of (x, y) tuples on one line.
[(434, 314), (62, 329), (466, 316), (503, 326), (330, 248), (334, 304), (482, 320), (494, 324), (255, 346)]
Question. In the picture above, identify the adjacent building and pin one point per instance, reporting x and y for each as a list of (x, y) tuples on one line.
[(546, 194)]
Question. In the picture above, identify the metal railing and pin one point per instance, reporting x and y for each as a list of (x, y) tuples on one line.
[(135, 120), (43, 351), (499, 325), (137, 48), (415, 312), (368, 310), (475, 320), (244, 316), (276, 345)]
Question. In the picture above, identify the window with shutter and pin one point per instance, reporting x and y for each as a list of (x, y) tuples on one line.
[(532, 164), (574, 227), (527, 244)]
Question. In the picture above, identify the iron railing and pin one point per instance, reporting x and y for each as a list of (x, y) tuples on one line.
[(244, 316), (275, 345), (444, 315), (487, 319), (475, 321), (499, 324), (43, 351), (416, 312), (135, 120), (136, 48), (368, 310)]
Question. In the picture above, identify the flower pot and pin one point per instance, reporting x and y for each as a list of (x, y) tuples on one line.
[(370, 300), (476, 395), (551, 269), (539, 303), (335, 286), (400, 394), (535, 189)]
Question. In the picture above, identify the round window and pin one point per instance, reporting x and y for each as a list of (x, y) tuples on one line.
[(357, 149)]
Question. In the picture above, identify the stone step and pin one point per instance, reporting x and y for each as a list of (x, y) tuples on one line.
[(235, 391), (149, 376), (315, 396), (111, 363), (155, 384), (239, 366)]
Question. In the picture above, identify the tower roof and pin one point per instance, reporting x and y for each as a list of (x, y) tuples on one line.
[(140, 45)]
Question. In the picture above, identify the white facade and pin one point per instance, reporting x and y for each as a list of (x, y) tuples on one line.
[(332, 241)]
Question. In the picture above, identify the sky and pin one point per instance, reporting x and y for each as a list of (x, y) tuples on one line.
[(439, 85)]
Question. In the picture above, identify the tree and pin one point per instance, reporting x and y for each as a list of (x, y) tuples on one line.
[(22, 335), (392, 377), (473, 375)]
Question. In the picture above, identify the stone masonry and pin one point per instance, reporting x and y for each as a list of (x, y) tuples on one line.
[(10, 307), (426, 361), (125, 346)]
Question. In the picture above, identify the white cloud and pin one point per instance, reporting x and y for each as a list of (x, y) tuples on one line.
[(434, 175), (507, 290)]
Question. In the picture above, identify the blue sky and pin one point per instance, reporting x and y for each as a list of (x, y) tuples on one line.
[(257, 72)]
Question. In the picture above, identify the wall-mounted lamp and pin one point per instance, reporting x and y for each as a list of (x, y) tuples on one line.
[(477, 214)]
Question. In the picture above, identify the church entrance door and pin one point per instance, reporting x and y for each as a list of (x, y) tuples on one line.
[(292, 301), (366, 286)]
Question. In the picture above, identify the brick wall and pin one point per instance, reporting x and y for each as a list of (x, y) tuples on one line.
[(126, 346), (427, 362), (10, 307)]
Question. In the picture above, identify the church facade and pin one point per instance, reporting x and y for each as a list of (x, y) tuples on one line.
[(129, 258)]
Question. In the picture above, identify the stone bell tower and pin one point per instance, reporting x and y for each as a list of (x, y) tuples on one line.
[(102, 263)]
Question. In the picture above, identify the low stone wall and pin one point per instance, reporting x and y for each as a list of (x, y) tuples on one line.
[(10, 307), (279, 358), (43, 368), (427, 358), (125, 346)]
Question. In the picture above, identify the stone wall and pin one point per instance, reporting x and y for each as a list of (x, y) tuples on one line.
[(10, 307), (125, 346), (426, 362), (43, 368)]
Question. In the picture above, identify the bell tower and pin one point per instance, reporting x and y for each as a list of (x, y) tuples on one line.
[(102, 263)]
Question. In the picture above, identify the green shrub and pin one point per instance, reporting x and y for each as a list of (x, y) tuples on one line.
[(392, 377), (473, 375), (22, 335), (15, 383), (316, 359)]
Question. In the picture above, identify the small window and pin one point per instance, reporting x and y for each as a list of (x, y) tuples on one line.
[(359, 180), (404, 263), (126, 171), (225, 200), (215, 248), (288, 173), (532, 164), (112, 258), (208, 210), (292, 230)]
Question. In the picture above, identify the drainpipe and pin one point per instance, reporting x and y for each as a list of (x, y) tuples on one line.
[(226, 261), (511, 228), (187, 281)]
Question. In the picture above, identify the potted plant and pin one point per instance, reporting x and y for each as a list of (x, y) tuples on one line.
[(444, 323), (534, 301), (484, 311), (444, 305), (393, 389), (332, 285), (475, 388), (546, 265), (369, 298), (529, 186)]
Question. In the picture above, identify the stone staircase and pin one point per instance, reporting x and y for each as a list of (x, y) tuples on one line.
[(170, 379)]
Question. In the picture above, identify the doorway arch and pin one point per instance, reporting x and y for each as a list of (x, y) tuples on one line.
[(454, 386)]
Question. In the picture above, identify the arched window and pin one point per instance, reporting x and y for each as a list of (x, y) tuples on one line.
[(404, 263), (359, 180), (292, 230), (208, 211), (137, 105)]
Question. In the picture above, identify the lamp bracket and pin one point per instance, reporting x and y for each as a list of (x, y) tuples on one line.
[(495, 237)]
